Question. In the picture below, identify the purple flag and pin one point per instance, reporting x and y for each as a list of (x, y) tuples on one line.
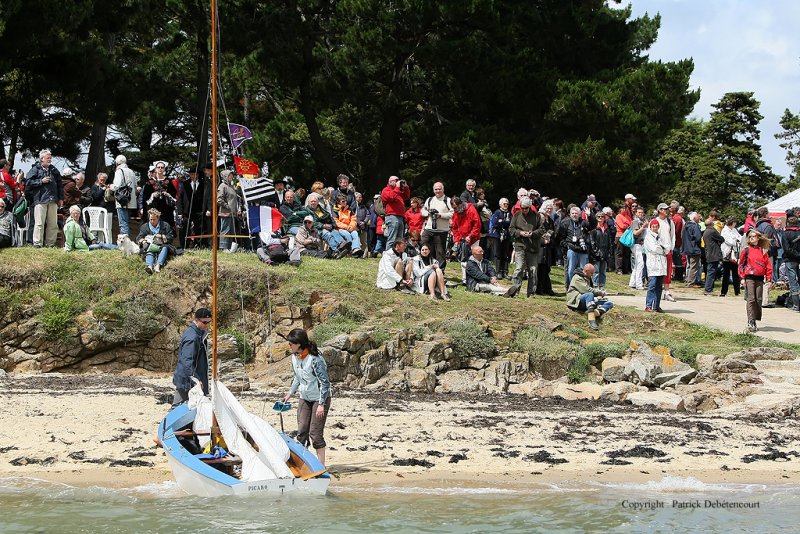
[(239, 134)]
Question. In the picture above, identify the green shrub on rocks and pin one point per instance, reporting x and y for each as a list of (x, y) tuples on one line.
[(576, 372), (58, 315), (332, 328), (468, 338), (542, 345), (597, 352)]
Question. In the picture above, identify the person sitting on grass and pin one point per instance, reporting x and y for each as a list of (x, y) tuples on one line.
[(308, 241), (155, 241), (428, 277), (583, 297), (7, 224), (395, 269), (78, 237), (481, 276)]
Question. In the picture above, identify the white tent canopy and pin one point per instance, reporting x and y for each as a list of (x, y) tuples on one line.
[(780, 205)]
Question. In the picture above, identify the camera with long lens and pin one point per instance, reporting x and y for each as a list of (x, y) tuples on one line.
[(433, 214)]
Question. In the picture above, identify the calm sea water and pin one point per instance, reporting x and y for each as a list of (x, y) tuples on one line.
[(33, 506)]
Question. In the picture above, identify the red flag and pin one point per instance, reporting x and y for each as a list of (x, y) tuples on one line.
[(245, 167)]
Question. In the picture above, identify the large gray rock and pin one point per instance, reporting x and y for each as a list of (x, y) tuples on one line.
[(374, 364), (617, 391), (641, 371), (779, 370), (705, 362), (584, 390), (462, 381), (233, 374), (420, 380), (613, 369), (765, 405), (764, 353), (340, 342), (659, 399), (533, 388), (553, 367), (665, 380)]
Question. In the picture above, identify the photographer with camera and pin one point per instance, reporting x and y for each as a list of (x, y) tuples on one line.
[(437, 210), (394, 197), (573, 232)]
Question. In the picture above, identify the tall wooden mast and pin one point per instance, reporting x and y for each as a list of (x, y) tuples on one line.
[(214, 120)]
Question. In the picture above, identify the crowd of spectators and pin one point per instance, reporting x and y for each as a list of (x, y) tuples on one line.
[(417, 236)]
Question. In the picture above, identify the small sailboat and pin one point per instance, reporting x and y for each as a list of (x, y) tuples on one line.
[(214, 446)]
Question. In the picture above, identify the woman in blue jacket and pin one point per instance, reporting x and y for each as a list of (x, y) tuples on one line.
[(311, 379)]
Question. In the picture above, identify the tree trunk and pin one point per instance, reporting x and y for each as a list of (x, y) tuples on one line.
[(322, 153), (96, 161), (389, 147)]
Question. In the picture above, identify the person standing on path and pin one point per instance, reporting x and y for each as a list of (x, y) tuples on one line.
[(311, 379), (791, 259), (192, 357), (755, 267), (656, 266), (713, 241), (666, 233)]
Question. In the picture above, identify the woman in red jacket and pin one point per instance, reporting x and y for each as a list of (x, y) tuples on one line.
[(754, 267), (414, 218)]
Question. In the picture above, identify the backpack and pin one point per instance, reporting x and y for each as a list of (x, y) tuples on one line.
[(20, 210), (123, 194), (379, 208)]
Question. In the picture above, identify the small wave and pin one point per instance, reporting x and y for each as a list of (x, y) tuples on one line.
[(677, 484), (416, 490), (168, 488)]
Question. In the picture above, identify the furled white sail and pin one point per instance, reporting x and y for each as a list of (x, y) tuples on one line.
[(270, 459)]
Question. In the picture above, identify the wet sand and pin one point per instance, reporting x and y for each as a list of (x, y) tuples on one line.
[(97, 430)]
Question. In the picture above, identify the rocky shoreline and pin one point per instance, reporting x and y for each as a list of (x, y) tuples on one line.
[(98, 430)]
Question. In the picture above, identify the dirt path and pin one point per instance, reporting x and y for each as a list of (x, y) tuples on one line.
[(726, 313)]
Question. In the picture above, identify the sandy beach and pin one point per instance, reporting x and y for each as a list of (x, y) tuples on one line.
[(98, 430)]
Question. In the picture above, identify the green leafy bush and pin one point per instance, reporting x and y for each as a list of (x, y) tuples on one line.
[(540, 344), (58, 315), (576, 372), (597, 352), (469, 339)]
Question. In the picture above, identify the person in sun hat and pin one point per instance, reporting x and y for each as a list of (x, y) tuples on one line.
[(192, 357)]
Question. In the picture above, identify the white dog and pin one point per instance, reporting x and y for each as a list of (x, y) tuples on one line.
[(128, 247)]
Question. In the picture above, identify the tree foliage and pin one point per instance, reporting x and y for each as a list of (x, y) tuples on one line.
[(718, 164), (559, 95)]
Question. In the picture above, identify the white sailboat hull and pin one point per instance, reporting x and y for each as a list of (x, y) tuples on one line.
[(197, 478)]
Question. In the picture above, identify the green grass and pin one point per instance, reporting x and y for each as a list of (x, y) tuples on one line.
[(469, 339), (63, 286)]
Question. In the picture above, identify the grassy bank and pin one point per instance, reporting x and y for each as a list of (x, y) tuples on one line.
[(58, 286)]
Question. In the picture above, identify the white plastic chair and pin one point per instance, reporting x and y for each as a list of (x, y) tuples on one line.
[(99, 222), (22, 233)]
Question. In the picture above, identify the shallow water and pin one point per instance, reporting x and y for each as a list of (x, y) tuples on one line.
[(27, 505)]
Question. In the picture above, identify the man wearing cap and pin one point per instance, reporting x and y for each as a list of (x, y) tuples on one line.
[(192, 357), (591, 203), (308, 240), (394, 197), (527, 230)]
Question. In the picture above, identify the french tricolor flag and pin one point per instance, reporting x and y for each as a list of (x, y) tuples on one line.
[(263, 219)]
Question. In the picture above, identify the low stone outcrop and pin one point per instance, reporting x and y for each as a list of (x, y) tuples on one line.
[(584, 390), (659, 399)]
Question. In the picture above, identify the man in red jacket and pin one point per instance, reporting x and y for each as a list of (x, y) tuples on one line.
[(466, 227), (394, 197)]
